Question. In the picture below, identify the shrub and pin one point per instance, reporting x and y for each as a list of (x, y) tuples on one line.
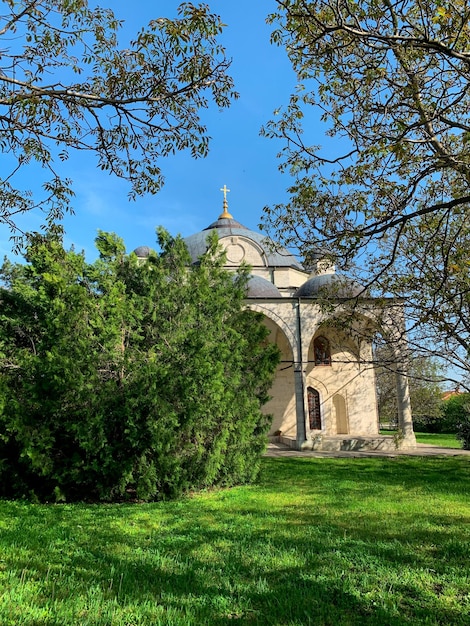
[(123, 379), (463, 426), (456, 413), (435, 423)]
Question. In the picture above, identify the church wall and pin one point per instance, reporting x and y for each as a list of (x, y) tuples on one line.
[(355, 386), (282, 404), (288, 278), (349, 377), (363, 407), (264, 272)]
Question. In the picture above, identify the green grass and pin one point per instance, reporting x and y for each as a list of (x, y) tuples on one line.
[(439, 439), (383, 541), (445, 440)]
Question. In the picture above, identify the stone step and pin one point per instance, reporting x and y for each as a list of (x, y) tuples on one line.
[(334, 443), (337, 443)]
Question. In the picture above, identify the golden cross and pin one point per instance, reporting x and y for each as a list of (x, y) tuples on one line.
[(225, 214), (224, 189)]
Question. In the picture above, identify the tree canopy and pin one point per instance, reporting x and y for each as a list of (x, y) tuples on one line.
[(68, 83), (128, 379), (390, 193)]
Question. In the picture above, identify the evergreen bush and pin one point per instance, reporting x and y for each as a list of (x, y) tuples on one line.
[(128, 379)]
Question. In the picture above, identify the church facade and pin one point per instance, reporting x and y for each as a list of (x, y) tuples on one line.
[(324, 392)]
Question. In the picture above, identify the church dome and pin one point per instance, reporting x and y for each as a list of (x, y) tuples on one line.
[(259, 287), (228, 228), (142, 252), (329, 284)]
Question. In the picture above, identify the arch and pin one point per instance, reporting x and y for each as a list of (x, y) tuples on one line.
[(330, 346), (281, 406), (314, 409), (277, 320), (279, 337), (341, 414), (350, 332), (366, 316)]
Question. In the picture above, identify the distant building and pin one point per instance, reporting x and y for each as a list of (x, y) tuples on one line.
[(451, 393)]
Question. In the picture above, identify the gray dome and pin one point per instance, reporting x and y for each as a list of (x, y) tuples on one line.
[(329, 284), (142, 252), (228, 227), (259, 287)]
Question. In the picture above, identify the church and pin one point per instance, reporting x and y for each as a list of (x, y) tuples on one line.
[(324, 392)]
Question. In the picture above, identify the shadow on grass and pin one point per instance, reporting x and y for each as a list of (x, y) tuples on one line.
[(318, 541)]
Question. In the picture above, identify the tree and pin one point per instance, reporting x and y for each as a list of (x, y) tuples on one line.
[(456, 411), (66, 84), (391, 82), (425, 378), (126, 379)]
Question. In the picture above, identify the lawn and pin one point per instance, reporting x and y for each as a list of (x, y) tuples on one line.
[(383, 541), (445, 440), (439, 439)]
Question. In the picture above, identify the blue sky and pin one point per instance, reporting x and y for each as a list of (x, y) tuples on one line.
[(239, 158)]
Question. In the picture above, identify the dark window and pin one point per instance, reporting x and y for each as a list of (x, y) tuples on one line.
[(314, 416), (321, 350)]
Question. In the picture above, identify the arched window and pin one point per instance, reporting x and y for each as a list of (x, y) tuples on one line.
[(321, 351), (314, 415)]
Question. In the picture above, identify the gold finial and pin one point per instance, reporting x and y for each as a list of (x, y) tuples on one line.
[(225, 213)]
